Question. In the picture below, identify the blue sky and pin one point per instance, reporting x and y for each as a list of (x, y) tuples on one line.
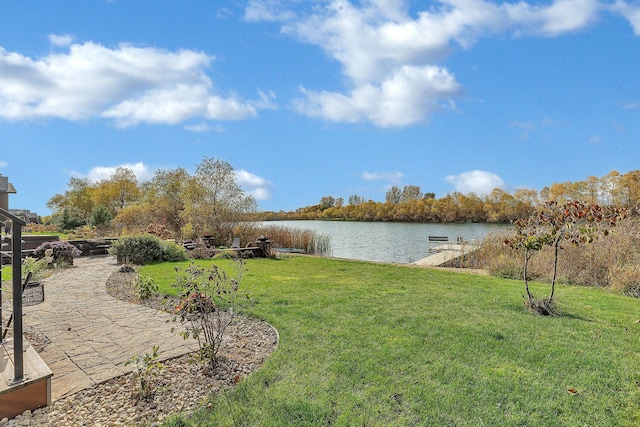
[(314, 98)]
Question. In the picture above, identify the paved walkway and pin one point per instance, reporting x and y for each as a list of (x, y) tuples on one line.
[(93, 334)]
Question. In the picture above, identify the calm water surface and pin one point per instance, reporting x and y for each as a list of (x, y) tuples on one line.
[(387, 241)]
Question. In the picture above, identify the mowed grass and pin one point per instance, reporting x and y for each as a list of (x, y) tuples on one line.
[(7, 272), (378, 345)]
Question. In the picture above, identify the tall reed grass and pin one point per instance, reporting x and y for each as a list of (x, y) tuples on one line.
[(610, 261), (309, 241)]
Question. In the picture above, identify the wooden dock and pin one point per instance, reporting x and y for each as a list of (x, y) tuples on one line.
[(445, 253)]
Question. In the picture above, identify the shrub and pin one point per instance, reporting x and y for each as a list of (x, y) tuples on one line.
[(626, 279), (145, 287), (174, 251), (62, 252), (40, 228), (138, 249), (84, 232), (34, 266), (146, 368), (207, 308), (145, 248)]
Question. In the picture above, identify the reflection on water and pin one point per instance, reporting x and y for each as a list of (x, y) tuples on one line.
[(387, 241)]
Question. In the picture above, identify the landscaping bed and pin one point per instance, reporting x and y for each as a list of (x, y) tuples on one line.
[(182, 386)]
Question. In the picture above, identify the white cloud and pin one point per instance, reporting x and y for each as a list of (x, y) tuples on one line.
[(266, 10), (253, 184), (141, 171), (392, 59), (383, 176), (61, 40), (179, 103), (476, 181), (388, 64), (127, 84), (3, 164), (407, 97), (629, 12), (562, 16)]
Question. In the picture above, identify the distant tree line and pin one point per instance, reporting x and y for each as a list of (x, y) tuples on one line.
[(410, 204), (183, 206)]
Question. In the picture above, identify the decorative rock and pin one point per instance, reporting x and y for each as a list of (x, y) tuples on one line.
[(112, 404)]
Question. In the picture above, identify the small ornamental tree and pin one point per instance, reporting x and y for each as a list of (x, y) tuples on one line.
[(574, 222), (529, 239), (207, 307)]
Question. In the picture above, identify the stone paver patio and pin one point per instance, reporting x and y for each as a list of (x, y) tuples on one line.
[(92, 335)]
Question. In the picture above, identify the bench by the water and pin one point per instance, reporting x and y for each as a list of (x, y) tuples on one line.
[(438, 243)]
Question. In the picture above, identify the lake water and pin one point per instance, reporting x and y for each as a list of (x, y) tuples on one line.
[(387, 241)]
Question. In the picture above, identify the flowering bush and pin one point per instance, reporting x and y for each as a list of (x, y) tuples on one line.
[(62, 251)]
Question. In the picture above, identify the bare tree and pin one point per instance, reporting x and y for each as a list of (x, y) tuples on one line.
[(393, 195), (410, 192), (355, 200)]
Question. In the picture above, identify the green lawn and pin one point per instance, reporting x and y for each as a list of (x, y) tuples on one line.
[(380, 345), (6, 273)]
